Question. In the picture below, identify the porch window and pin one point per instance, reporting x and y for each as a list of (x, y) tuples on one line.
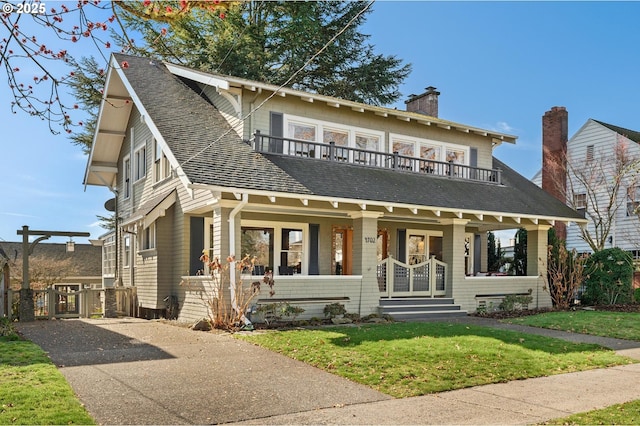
[(291, 252), (258, 242), (278, 247)]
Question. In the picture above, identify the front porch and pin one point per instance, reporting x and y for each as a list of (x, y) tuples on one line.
[(411, 292)]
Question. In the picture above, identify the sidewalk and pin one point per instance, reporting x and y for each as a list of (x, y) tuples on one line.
[(132, 371)]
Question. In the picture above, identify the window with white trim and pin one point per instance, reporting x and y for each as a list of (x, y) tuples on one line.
[(426, 149), (148, 240), (126, 176), (161, 166), (109, 256), (306, 129), (140, 163), (127, 250), (580, 201), (277, 246)]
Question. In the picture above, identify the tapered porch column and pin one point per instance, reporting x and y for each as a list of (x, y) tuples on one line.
[(537, 250), (365, 233), (453, 236)]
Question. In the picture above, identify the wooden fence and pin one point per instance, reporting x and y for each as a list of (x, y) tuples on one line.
[(86, 303)]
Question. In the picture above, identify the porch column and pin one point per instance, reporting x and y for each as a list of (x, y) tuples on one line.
[(537, 250), (537, 243), (484, 252), (453, 236), (220, 243), (365, 233)]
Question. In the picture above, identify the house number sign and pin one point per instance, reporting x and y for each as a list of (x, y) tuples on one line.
[(370, 240)]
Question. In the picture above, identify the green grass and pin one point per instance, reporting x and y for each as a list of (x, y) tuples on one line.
[(620, 325), (409, 359), (32, 390), (619, 414)]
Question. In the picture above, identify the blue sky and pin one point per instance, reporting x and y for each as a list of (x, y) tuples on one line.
[(498, 65)]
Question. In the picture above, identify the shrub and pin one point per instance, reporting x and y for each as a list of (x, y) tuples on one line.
[(514, 302), (334, 309), (609, 278)]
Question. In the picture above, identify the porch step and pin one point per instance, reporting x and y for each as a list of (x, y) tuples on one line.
[(413, 308)]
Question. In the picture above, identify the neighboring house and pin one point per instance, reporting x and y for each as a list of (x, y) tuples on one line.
[(80, 267), (343, 201), (594, 146)]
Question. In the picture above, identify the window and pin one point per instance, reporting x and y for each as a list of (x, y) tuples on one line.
[(109, 256), (127, 250), (148, 237), (305, 129), (429, 150), (589, 153), (305, 132), (422, 245), (633, 200), (126, 184), (161, 166), (140, 163), (579, 201), (277, 247)]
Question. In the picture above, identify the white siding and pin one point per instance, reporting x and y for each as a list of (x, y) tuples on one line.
[(625, 229)]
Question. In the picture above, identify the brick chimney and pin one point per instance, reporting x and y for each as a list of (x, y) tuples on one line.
[(427, 103), (555, 134)]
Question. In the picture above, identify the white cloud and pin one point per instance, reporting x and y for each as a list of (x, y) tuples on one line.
[(16, 214)]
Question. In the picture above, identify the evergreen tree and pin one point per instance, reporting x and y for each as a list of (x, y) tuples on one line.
[(519, 265), (493, 253)]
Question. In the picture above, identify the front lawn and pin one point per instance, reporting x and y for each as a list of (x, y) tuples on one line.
[(619, 414), (620, 325), (409, 359), (32, 390)]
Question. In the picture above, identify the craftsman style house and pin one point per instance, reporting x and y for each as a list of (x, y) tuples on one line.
[(381, 209)]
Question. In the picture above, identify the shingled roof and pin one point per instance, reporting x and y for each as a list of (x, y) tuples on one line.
[(630, 134), (86, 259), (210, 152)]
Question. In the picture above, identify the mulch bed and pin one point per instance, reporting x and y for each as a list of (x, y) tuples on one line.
[(630, 307)]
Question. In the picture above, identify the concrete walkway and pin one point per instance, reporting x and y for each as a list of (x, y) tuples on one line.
[(132, 371)]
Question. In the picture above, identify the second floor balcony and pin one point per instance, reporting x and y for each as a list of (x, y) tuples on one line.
[(331, 152)]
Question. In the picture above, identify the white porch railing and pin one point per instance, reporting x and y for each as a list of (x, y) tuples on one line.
[(426, 279)]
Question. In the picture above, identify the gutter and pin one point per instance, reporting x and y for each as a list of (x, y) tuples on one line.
[(232, 264)]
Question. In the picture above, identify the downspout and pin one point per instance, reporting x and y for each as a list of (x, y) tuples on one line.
[(232, 264)]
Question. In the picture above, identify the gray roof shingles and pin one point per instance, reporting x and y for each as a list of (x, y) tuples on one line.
[(631, 134), (189, 123)]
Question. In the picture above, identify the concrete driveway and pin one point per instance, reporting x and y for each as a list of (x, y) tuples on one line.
[(133, 371)]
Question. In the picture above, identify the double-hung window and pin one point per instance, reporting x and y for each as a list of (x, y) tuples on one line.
[(126, 173), (140, 163), (580, 201), (148, 241), (161, 166)]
